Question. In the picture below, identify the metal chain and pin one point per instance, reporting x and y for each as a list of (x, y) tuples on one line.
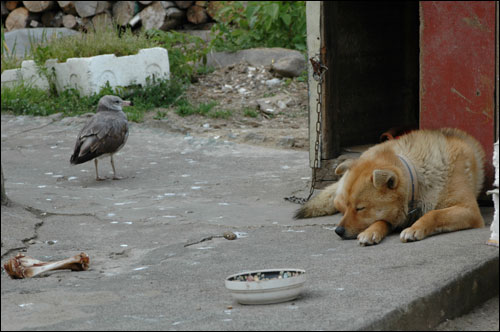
[(319, 71), (318, 74)]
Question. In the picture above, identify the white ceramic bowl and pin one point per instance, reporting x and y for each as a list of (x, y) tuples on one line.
[(273, 286)]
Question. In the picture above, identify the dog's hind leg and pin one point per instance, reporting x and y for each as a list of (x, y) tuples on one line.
[(454, 218), (320, 205)]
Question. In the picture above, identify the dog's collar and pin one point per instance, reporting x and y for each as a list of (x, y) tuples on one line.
[(414, 211)]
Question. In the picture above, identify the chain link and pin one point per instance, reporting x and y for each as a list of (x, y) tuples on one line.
[(318, 74), (319, 71)]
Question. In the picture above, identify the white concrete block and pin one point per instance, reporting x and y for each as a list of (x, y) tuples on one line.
[(89, 75), (27, 74), (31, 75), (11, 77)]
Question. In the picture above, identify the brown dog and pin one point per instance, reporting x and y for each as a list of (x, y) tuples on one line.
[(426, 182)]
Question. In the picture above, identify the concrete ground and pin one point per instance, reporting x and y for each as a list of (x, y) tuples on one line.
[(157, 260)]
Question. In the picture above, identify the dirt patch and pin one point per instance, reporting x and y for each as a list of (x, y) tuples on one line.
[(250, 105)]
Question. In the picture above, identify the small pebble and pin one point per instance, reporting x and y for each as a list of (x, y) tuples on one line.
[(229, 235)]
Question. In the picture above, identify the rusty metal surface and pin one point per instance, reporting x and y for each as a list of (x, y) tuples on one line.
[(457, 85)]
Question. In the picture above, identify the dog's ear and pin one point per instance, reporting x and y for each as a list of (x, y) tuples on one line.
[(383, 178), (344, 166)]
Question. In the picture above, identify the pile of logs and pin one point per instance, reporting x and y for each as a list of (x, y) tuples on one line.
[(76, 15)]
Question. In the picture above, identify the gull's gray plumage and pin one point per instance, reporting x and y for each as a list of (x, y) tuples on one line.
[(104, 134)]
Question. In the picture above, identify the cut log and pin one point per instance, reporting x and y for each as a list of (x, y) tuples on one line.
[(197, 15), (176, 13), (168, 4), (184, 4), (38, 6), (52, 19), (102, 21), (91, 8), (87, 24), (123, 11), (67, 7), (153, 16), (17, 19), (214, 7), (71, 21), (174, 18), (11, 5)]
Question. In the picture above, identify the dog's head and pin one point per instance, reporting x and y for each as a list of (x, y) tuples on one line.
[(370, 191)]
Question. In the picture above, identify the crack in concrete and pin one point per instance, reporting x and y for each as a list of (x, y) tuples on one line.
[(209, 238), (31, 129), (40, 214)]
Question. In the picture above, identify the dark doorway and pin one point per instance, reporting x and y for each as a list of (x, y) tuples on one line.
[(372, 52)]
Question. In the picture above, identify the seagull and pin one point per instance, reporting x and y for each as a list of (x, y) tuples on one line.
[(104, 134)]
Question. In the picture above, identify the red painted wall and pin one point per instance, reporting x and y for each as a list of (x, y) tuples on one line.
[(457, 69)]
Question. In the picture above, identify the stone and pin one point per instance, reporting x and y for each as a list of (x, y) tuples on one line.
[(280, 101), (255, 137), (22, 39), (229, 235), (287, 141), (291, 66), (254, 56), (273, 82)]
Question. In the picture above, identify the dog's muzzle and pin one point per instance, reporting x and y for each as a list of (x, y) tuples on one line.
[(340, 231)]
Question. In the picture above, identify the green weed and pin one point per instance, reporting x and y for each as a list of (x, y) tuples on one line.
[(184, 108), (261, 24), (251, 113)]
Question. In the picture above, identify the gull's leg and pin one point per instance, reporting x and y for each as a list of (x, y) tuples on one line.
[(114, 171), (97, 172)]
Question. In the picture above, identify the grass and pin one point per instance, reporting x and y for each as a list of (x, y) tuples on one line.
[(251, 113), (184, 108), (27, 100), (184, 51), (104, 41)]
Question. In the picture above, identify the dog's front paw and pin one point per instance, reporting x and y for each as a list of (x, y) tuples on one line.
[(368, 238), (411, 234)]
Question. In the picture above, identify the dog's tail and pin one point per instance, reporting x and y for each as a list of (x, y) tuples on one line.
[(320, 205)]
